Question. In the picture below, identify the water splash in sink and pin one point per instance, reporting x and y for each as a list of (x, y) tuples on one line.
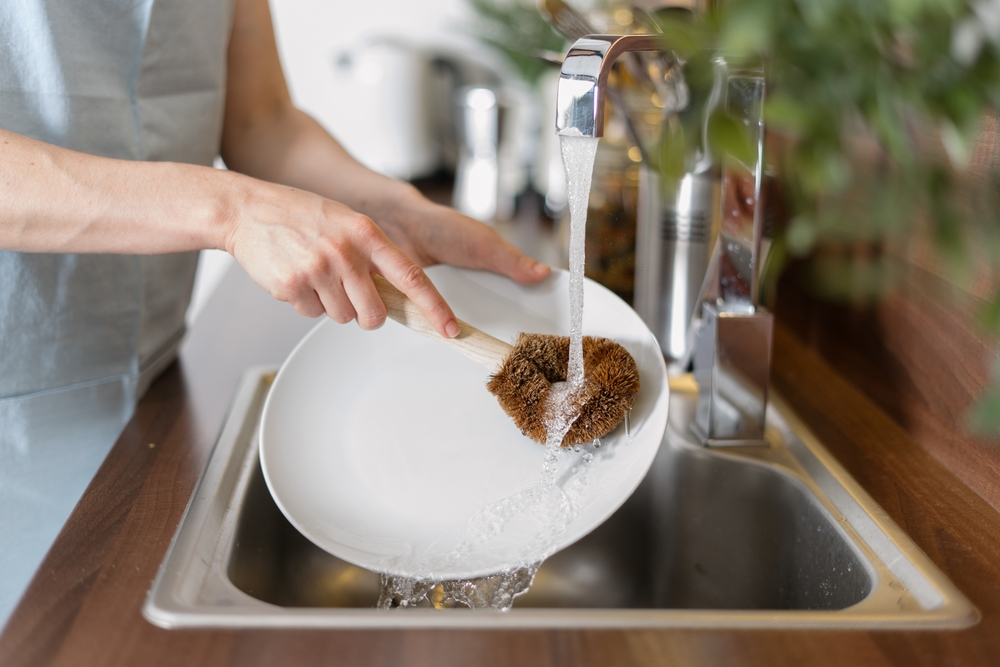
[(493, 592)]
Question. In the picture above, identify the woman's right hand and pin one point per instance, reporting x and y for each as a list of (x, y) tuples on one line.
[(320, 256)]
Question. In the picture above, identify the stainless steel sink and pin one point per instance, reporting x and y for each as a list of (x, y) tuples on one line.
[(776, 536)]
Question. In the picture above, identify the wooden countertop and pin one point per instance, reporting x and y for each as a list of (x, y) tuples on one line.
[(83, 606)]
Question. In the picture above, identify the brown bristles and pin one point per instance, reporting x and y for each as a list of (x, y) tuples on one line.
[(522, 385)]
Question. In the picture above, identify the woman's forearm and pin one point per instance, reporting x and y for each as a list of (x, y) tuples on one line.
[(299, 218), (316, 254), (266, 137), (290, 147), (57, 200)]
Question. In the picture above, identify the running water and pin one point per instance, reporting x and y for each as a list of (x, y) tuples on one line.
[(545, 503), (578, 154)]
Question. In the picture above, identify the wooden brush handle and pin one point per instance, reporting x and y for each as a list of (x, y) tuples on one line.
[(481, 347)]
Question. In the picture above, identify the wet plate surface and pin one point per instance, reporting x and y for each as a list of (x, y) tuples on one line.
[(385, 449)]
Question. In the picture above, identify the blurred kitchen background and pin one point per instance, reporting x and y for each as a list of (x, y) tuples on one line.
[(414, 91)]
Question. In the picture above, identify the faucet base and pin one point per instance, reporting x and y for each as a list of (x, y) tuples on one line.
[(714, 442), (732, 365)]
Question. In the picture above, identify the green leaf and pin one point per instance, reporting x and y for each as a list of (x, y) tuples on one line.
[(747, 29), (859, 282), (989, 316), (801, 235), (684, 36), (728, 136), (781, 112), (672, 151), (984, 417), (517, 31)]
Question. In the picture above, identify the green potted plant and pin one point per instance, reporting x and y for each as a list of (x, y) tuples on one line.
[(875, 113)]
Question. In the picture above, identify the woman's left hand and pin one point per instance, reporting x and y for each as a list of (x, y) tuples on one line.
[(433, 234)]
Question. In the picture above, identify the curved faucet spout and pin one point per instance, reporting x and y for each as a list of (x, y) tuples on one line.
[(583, 80)]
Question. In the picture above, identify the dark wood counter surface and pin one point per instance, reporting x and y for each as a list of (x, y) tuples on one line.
[(83, 606)]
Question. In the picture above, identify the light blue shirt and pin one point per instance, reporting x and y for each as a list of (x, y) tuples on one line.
[(82, 336)]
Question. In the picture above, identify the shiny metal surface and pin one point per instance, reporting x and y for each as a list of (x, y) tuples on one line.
[(663, 69), (653, 75), (673, 232), (677, 224), (477, 172), (773, 536), (583, 80), (732, 356), (732, 366), (742, 220)]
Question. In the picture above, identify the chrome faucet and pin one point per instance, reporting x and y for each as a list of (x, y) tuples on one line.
[(583, 80), (732, 348), (732, 339)]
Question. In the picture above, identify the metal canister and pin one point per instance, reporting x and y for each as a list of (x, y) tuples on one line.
[(674, 228)]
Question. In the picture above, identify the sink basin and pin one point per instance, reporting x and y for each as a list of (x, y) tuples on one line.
[(776, 536)]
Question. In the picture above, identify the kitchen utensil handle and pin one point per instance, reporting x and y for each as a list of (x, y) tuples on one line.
[(477, 345)]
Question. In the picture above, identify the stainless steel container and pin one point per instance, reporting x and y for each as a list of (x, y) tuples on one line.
[(477, 173), (674, 227)]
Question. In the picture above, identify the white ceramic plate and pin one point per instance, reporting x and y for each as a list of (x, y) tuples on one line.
[(384, 447)]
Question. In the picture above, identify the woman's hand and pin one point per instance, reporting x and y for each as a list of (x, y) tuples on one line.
[(304, 248), (432, 234), (320, 256), (310, 251), (317, 254)]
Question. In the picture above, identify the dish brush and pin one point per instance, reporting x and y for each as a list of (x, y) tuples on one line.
[(523, 373)]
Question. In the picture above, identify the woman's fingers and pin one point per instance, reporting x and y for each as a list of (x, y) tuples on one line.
[(320, 256), (504, 258), (367, 304), (411, 280), (308, 303), (337, 304), (442, 234), (377, 254)]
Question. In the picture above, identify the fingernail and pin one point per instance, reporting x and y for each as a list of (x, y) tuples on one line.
[(539, 268), (451, 328)]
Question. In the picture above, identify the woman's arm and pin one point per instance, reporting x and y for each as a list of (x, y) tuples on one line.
[(267, 137), (315, 253), (58, 200)]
